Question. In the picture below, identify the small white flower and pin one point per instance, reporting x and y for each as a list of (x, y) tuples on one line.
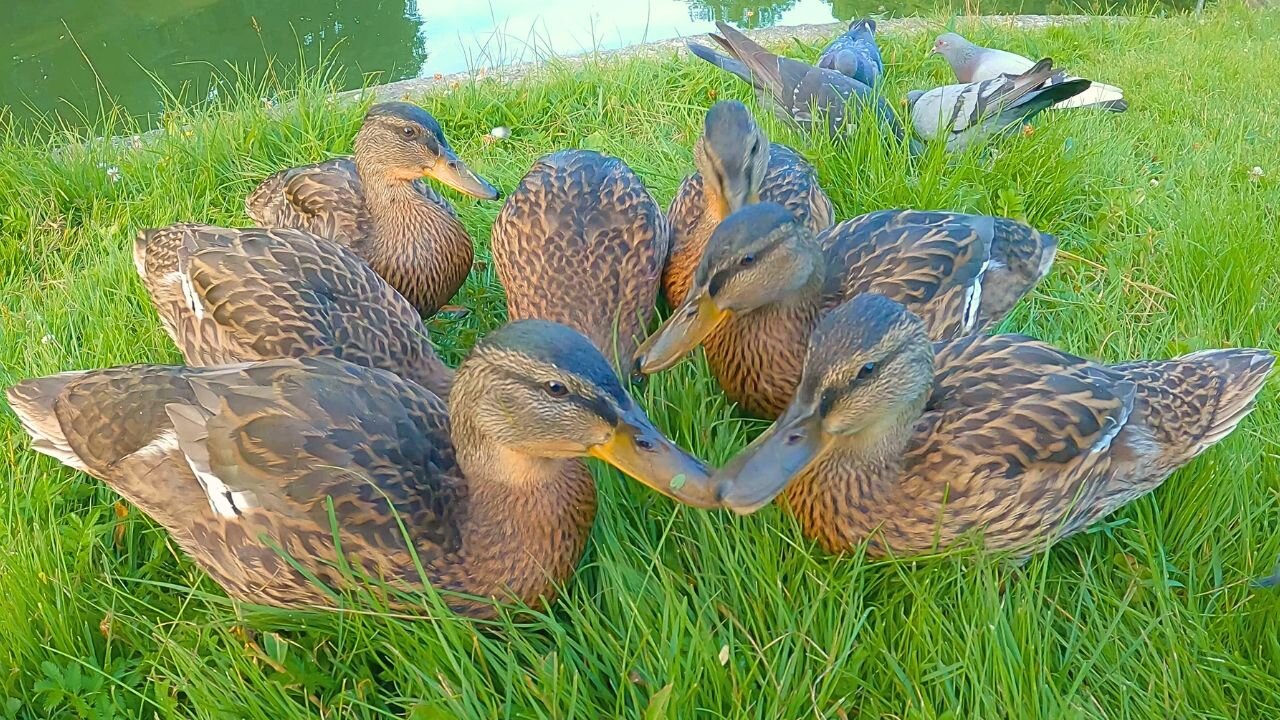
[(113, 174), (501, 132), (1155, 182), (1255, 174), (48, 339)]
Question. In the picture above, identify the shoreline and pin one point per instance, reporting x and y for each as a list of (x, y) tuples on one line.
[(520, 72), (517, 72)]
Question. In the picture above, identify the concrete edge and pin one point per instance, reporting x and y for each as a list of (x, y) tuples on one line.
[(417, 87), (522, 72)]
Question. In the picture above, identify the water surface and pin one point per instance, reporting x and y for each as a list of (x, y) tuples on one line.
[(67, 56)]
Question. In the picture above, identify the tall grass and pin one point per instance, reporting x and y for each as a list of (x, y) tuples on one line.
[(1169, 245)]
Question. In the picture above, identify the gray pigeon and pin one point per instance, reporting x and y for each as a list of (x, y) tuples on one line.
[(974, 63), (854, 53), (797, 91), (972, 112)]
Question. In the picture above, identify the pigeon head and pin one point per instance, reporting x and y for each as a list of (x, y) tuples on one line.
[(953, 47)]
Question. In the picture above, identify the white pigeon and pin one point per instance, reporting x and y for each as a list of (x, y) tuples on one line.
[(974, 63), (972, 112)]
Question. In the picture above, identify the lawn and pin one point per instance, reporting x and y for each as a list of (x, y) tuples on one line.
[(1168, 245)]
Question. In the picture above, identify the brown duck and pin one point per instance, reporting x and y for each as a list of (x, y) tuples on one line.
[(913, 447), (376, 204), (582, 242), (737, 165), (486, 496), (235, 295), (765, 281)]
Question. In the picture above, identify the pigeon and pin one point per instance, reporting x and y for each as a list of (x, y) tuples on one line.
[(974, 63), (854, 53), (797, 91), (1271, 581), (971, 112)]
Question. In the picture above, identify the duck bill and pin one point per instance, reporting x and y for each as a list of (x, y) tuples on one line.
[(640, 450), (451, 171), (763, 469), (739, 195), (687, 327)]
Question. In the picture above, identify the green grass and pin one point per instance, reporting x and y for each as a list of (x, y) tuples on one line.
[(1169, 246)]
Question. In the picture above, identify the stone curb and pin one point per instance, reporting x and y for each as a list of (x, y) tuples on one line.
[(519, 72), (415, 87)]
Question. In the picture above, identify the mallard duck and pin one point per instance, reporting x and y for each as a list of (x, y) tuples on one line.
[(854, 53), (912, 446), (964, 114), (765, 281), (736, 165), (974, 63), (376, 203), (239, 461), (581, 241), (235, 295), (811, 97)]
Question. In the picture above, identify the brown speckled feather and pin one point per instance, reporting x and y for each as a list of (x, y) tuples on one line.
[(415, 242), (235, 295), (960, 273), (582, 242), (1025, 444), (789, 181), (240, 460), (325, 198)]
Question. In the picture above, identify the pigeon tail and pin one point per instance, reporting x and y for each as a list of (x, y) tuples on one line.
[(723, 62)]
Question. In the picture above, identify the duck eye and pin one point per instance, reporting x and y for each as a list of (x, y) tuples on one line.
[(866, 371), (826, 402), (555, 388), (409, 131), (747, 260)]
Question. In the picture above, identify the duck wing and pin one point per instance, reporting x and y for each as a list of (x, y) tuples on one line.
[(234, 295), (242, 463)]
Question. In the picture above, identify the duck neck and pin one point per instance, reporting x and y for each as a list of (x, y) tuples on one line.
[(843, 497), (396, 207), (717, 204), (527, 517), (758, 356), (415, 241)]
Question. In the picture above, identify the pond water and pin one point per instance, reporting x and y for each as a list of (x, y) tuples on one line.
[(64, 56)]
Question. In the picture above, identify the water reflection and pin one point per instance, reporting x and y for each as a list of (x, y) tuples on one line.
[(56, 51), (63, 54), (459, 37), (740, 14)]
